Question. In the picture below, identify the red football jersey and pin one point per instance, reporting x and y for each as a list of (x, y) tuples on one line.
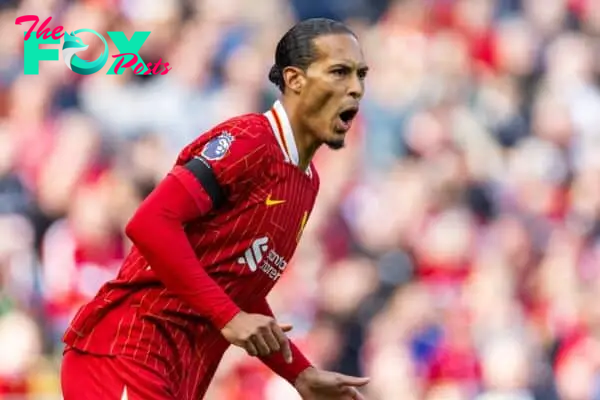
[(244, 245)]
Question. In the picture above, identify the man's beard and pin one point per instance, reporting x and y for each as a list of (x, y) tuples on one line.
[(335, 144)]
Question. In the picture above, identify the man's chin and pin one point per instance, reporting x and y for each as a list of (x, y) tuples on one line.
[(335, 144)]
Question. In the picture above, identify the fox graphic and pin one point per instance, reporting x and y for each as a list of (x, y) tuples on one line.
[(73, 45)]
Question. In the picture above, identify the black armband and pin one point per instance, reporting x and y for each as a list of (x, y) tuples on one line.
[(205, 175)]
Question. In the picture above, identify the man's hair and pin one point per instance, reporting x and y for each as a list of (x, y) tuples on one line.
[(296, 47)]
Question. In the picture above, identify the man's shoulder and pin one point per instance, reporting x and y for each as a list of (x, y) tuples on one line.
[(252, 132), (241, 136), (251, 127)]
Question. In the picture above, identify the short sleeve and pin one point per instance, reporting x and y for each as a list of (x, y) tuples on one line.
[(222, 162)]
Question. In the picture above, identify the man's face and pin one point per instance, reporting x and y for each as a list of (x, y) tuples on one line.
[(333, 87)]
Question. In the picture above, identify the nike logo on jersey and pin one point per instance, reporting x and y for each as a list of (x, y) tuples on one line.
[(270, 202)]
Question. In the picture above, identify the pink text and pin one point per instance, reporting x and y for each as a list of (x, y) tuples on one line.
[(43, 30), (140, 67)]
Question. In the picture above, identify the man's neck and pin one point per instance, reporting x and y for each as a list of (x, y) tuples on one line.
[(306, 143)]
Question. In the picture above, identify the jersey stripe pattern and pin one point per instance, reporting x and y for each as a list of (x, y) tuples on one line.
[(244, 245)]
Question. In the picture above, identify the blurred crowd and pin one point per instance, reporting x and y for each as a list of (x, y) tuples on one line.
[(453, 252)]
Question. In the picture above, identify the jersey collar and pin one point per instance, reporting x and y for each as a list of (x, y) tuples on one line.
[(280, 124)]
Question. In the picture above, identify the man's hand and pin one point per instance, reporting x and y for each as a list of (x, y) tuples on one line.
[(314, 384), (259, 335)]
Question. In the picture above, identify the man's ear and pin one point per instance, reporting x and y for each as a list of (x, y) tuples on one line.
[(294, 78)]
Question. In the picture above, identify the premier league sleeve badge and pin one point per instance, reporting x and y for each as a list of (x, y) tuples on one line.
[(217, 147)]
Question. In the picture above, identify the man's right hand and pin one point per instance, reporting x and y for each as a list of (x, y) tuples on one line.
[(259, 335)]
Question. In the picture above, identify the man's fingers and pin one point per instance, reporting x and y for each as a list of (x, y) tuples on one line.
[(250, 349), (286, 327), (356, 395), (272, 341), (284, 343), (353, 380), (351, 393), (287, 352), (261, 345)]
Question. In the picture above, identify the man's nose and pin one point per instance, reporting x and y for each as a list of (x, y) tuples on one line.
[(357, 88)]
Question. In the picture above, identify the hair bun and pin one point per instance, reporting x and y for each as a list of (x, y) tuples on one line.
[(275, 75)]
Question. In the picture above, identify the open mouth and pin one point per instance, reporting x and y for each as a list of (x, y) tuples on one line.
[(346, 117)]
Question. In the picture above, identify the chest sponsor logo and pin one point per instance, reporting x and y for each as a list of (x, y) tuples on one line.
[(260, 256)]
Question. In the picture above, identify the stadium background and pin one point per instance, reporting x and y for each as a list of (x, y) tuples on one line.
[(454, 251)]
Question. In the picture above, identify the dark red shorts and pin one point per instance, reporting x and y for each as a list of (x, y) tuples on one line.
[(86, 376)]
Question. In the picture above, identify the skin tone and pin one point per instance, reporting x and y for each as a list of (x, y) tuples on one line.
[(315, 99)]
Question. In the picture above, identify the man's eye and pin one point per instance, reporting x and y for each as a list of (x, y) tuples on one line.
[(339, 72)]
